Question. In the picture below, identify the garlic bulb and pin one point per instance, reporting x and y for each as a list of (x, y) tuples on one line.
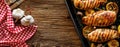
[(27, 20), (17, 14)]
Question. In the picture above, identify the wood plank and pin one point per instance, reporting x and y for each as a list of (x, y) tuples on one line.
[(55, 28)]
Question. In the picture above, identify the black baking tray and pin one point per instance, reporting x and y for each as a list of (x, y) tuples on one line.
[(78, 24)]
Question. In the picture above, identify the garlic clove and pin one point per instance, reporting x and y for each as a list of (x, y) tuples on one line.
[(27, 20), (30, 18), (17, 13)]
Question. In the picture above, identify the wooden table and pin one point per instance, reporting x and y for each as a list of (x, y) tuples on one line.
[(55, 27)]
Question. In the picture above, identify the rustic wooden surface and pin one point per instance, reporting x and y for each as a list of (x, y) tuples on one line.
[(55, 28)]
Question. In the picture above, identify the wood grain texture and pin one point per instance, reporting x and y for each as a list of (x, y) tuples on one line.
[(55, 28)]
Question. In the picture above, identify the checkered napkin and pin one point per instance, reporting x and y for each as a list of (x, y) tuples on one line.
[(10, 34)]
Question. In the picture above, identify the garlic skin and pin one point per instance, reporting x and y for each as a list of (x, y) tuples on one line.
[(27, 20), (18, 13)]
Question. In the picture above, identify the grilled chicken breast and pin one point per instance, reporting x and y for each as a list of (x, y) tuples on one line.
[(87, 4), (102, 35), (100, 18)]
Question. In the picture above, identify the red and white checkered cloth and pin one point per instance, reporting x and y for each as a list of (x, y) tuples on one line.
[(10, 34)]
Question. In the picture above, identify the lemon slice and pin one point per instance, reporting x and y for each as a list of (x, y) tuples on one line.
[(92, 45), (113, 43), (112, 6), (87, 30), (119, 29), (88, 12)]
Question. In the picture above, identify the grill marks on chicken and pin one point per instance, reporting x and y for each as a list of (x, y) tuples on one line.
[(102, 35), (100, 18), (88, 4)]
